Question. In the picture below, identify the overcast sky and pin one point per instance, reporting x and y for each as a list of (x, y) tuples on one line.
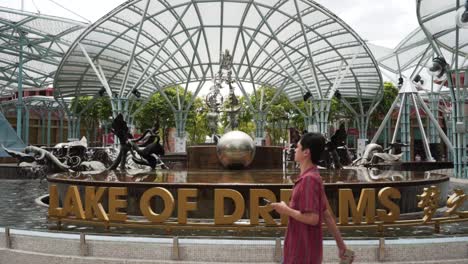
[(379, 22)]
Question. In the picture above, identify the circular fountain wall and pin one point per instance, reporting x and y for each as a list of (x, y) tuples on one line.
[(409, 184)]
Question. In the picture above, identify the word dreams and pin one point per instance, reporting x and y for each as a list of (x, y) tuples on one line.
[(348, 211)]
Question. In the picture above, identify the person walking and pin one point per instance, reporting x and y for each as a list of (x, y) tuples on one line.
[(308, 208)]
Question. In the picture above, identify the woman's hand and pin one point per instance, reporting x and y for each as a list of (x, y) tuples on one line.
[(281, 207)]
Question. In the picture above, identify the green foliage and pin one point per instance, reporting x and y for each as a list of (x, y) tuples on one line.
[(197, 124), (281, 113), (338, 111), (100, 109), (158, 107), (389, 94), (94, 111), (245, 117)]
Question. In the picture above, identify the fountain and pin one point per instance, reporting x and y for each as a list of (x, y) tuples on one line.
[(238, 173)]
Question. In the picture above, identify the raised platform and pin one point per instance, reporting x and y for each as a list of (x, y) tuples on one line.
[(46, 248), (9, 171), (408, 183), (415, 166), (204, 157)]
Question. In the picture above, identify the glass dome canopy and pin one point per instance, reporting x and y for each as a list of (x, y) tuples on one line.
[(43, 40), (439, 18), (413, 51), (412, 56), (298, 46)]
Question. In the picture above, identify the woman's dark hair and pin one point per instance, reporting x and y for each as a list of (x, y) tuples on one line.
[(315, 142)]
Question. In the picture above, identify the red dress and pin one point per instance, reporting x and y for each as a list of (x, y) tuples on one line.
[(303, 242)]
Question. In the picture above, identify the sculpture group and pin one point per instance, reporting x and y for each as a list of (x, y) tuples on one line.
[(76, 156)]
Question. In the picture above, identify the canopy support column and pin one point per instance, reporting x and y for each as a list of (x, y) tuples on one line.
[(260, 120), (60, 130), (19, 103), (26, 125), (459, 122), (49, 124), (323, 114), (43, 129), (180, 140)]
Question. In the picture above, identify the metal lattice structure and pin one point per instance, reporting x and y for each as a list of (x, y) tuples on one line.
[(440, 21), (37, 42), (43, 107), (410, 58), (31, 48), (296, 46)]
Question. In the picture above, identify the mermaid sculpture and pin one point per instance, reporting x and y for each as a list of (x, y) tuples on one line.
[(150, 148), (148, 151)]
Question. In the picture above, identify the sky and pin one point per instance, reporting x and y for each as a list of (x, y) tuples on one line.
[(383, 23)]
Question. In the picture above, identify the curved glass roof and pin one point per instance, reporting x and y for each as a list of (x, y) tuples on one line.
[(411, 56), (439, 18), (297, 45), (43, 40), (36, 102), (413, 51)]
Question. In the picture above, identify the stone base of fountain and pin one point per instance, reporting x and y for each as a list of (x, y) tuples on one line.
[(204, 157)]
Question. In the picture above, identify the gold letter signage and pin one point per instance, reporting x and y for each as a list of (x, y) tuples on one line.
[(158, 205)]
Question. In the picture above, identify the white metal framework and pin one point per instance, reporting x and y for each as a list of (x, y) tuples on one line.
[(31, 48), (34, 42), (438, 20), (410, 58), (296, 46), (43, 107)]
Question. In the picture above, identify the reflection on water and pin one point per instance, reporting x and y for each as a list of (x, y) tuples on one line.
[(355, 175), (19, 210), (17, 204)]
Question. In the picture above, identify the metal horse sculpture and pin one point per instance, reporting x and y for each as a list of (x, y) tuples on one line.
[(330, 156)]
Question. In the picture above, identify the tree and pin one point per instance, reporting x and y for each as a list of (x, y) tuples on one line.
[(197, 124), (280, 112), (245, 117), (98, 110), (158, 107), (390, 93)]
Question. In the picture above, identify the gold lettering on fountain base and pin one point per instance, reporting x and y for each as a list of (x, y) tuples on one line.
[(364, 211), (285, 196), (429, 201), (183, 205), (239, 206), (54, 209), (115, 204), (455, 201), (93, 206), (72, 203), (365, 207), (145, 205), (384, 196), (257, 211)]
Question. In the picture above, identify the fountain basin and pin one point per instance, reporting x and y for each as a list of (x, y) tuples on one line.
[(409, 184)]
